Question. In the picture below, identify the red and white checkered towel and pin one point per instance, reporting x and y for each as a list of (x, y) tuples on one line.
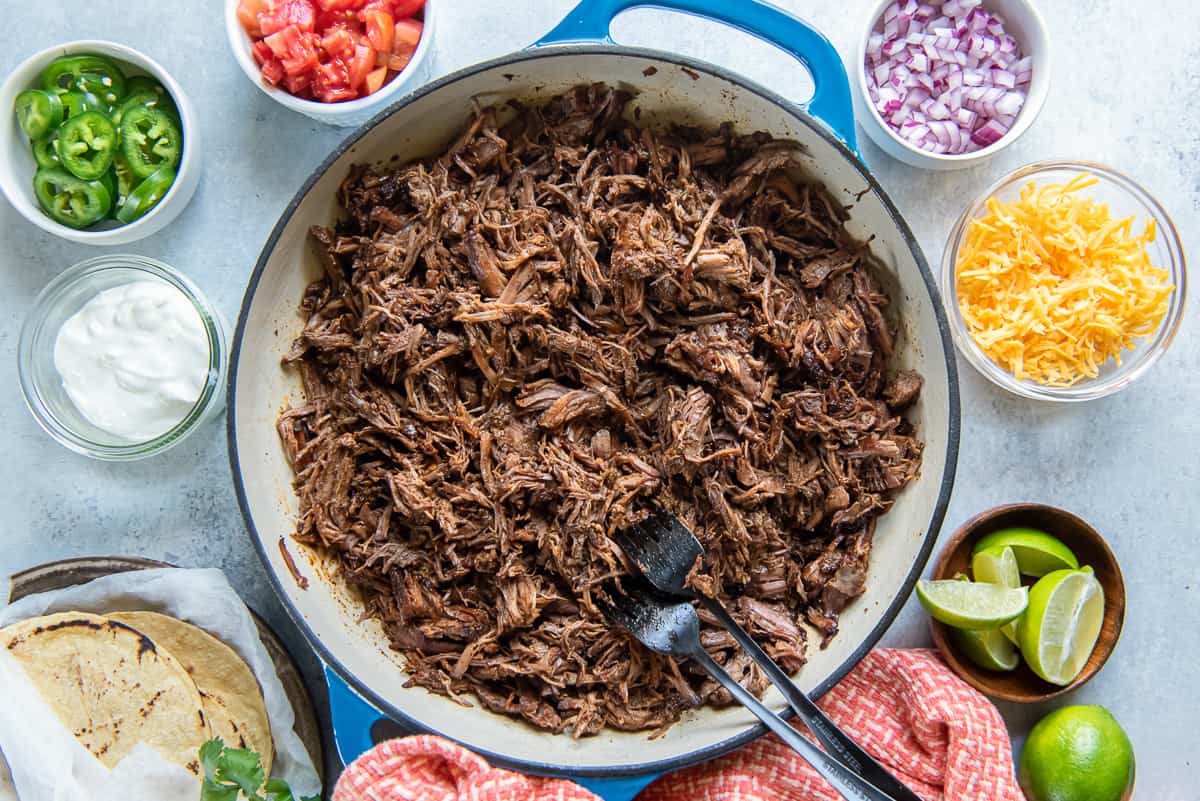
[(936, 733)]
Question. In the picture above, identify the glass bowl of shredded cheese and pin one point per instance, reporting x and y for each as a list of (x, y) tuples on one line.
[(1064, 281)]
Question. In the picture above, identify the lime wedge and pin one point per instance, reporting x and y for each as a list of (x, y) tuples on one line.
[(991, 650), (971, 605), (1062, 624), (1036, 551), (998, 565)]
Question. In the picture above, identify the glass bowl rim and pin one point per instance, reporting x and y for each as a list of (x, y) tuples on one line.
[(80, 273), (1089, 388)]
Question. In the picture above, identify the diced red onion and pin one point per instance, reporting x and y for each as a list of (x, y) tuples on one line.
[(954, 98), (1004, 78), (917, 62), (946, 76), (874, 45), (958, 8), (988, 134)]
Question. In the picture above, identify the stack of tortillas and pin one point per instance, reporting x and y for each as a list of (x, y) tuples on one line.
[(131, 677)]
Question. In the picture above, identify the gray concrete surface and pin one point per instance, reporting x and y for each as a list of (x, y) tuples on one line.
[(1125, 92)]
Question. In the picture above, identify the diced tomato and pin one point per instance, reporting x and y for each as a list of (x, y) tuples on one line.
[(262, 53), (398, 61), (282, 41), (279, 14), (361, 65), (331, 50), (381, 29), (273, 72), (247, 12), (331, 83), (406, 8), (296, 49), (328, 19), (298, 84), (339, 42), (408, 33), (376, 79)]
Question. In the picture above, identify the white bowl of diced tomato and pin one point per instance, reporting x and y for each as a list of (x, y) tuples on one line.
[(337, 61)]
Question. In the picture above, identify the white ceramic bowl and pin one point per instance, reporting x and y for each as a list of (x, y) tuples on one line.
[(352, 112), (1022, 21), (17, 165)]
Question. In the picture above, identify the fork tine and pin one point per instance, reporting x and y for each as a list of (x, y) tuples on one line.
[(647, 529)]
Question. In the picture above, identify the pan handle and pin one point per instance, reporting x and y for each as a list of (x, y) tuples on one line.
[(590, 20), (358, 726), (353, 719)]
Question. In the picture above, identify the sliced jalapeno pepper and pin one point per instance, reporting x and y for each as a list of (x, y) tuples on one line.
[(45, 151), (109, 182), (146, 195), (150, 140), (125, 181), (144, 83), (70, 200), (147, 98), (87, 144), (91, 73), (38, 112), (76, 103)]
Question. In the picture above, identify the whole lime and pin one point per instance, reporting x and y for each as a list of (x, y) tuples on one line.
[(1077, 753)]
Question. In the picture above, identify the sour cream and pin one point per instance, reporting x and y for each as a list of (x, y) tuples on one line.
[(134, 359)]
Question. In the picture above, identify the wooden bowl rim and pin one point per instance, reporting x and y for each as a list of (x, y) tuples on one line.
[(976, 677)]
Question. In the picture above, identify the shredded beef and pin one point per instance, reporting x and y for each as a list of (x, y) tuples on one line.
[(519, 344)]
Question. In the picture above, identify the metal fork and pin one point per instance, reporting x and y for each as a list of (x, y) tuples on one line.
[(672, 626), (665, 551)]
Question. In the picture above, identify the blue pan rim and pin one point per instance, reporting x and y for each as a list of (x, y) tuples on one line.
[(948, 474)]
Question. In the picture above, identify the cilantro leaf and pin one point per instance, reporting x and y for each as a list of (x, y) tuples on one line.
[(278, 790), (232, 772), (210, 752), (243, 768), (211, 791)]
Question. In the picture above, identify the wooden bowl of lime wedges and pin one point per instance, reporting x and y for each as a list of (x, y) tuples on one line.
[(1026, 601)]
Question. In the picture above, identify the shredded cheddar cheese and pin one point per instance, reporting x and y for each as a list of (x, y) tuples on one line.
[(1051, 286)]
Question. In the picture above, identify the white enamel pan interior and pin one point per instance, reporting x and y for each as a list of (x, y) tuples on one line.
[(667, 88)]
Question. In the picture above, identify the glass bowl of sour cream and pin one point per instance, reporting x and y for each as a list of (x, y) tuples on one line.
[(122, 357)]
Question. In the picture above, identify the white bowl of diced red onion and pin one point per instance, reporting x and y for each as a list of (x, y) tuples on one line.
[(946, 85)]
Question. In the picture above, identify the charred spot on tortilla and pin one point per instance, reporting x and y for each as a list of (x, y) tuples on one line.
[(151, 701), (651, 70), (71, 623)]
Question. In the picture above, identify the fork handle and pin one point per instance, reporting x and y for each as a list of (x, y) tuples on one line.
[(848, 784), (827, 733)]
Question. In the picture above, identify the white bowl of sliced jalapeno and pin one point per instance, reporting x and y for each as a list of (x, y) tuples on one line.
[(99, 147)]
